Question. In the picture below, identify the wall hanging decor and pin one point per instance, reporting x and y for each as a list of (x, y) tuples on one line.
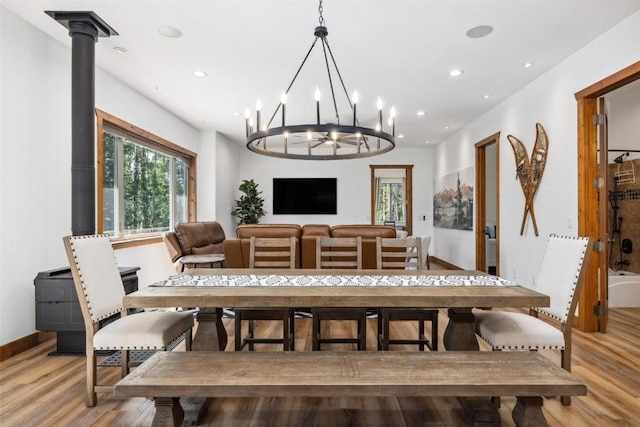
[(529, 170), (453, 201)]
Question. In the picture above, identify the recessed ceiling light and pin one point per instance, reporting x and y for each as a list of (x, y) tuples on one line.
[(486, 96), (119, 49), (479, 31), (168, 31), (401, 136), (456, 73), (421, 113), (445, 127), (199, 73), (427, 142), (528, 64)]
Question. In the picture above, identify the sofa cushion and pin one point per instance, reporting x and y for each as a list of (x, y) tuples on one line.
[(316, 230), (363, 230), (246, 231)]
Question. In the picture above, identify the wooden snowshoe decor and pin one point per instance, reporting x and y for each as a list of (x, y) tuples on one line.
[(529, 170)]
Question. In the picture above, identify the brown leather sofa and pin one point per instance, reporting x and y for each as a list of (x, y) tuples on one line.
[(192, 243), (237, 250)]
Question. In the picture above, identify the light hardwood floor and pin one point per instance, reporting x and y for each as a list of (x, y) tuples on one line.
[(41, 390)]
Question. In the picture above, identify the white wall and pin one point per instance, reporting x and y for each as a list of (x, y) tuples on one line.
[(354, 185), (35, 163), (550, 101)]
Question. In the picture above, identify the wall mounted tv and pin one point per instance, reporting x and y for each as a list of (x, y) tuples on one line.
[(305, 196)]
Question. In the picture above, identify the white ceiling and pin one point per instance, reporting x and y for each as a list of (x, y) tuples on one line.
[(399, 50)]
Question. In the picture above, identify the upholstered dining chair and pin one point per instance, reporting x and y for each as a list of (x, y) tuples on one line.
[(404, 254), (100, 292), (339, 252), (268, 252), (560, 276)]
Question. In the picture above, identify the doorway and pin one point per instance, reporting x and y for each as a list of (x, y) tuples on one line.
[(592, 210), (487, 204)]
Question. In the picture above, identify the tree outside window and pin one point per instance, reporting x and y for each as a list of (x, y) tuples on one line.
[(143, 184)]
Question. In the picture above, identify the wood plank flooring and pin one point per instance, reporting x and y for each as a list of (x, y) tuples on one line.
[(41, 390)]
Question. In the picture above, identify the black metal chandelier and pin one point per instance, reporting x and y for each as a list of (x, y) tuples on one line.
[(320, 141)]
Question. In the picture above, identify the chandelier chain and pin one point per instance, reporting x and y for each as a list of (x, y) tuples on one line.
[(321, 18)]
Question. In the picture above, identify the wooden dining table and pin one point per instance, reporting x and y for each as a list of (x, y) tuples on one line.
[(213, 289)]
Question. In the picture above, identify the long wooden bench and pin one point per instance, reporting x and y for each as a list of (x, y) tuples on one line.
[(167, 376)]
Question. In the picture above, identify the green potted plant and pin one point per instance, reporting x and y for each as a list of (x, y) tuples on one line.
[(249, 206)]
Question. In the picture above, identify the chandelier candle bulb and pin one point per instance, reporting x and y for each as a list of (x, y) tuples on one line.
[(355, 103), (393, 120), (247, 114), (317, 96), (283, 102), (286, 137), (258, 108)]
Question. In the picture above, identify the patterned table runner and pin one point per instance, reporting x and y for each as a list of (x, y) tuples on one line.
[(325, 280)]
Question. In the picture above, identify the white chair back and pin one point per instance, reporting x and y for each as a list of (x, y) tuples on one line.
[(563, 266), (94, 265)]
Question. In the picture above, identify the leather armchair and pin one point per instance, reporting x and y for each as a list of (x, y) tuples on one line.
[(194, 241)]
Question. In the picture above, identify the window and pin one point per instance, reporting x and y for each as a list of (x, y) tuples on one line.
[(391, 201), (145, 183)]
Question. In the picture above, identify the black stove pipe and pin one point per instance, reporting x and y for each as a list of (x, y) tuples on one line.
[(84, 29)]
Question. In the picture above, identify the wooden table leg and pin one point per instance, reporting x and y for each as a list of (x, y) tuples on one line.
[(210, 336), (528, 412), (168, 412), (460, 335)]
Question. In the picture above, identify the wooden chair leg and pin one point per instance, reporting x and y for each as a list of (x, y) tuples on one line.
[(251, 334), (286, 332), (91, 376), (421, 334), (379, 332), (362, 333), (188, 339), (124, 363), (238, 330), (315, 332), (434, 332), (385, 331), (565, 362), (292, 328)]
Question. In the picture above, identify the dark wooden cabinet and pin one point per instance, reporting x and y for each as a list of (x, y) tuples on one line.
[(58, 309)]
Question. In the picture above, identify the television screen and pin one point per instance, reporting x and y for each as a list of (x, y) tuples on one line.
[(305, 196)]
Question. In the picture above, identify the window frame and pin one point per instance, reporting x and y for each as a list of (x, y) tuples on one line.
[(153, 141)]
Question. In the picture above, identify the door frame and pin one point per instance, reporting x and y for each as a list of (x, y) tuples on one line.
[(481, 208), (595, 283)]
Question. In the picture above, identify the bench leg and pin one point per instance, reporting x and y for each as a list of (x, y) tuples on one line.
[(528, 412), (168, 412)]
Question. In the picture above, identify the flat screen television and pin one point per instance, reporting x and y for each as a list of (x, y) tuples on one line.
[(305, 196)]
